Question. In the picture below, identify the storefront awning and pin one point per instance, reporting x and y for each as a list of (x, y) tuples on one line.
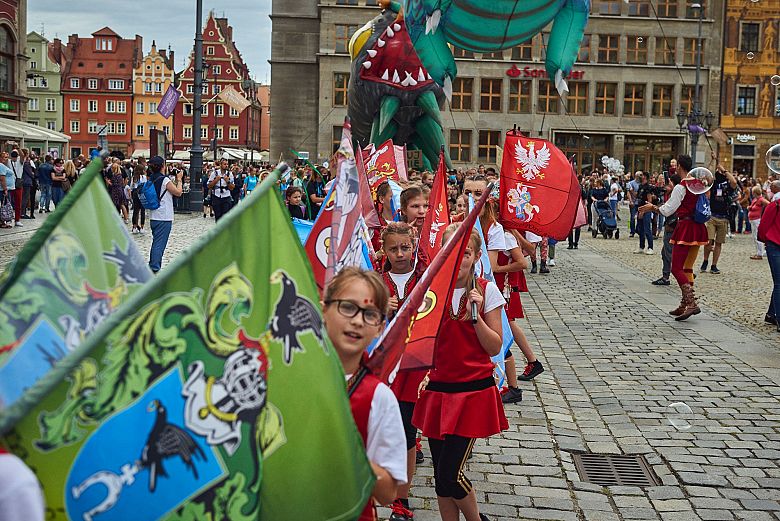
[(19, 130), (141, 152)]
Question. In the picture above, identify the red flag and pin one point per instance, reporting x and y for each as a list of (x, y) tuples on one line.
[(381, 165), (413, 331), (366, 200), (539, 191), (318, 243), (438, 216)]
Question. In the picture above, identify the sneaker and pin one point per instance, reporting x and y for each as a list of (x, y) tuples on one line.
[(141, 231), (135, 230), (419, 457), (649, 251), (661, 282), (714, 270), (575, 246), (704, 265), (19, 224), (729, 236), (513, 395), (639, 251), (399, 512), (769, 319), (531, 371), (551, 262)]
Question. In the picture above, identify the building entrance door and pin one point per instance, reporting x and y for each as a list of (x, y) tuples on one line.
[(648, 154)]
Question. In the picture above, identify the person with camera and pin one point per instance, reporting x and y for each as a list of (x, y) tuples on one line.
[(161, 219), (221, 184), (718, 225)]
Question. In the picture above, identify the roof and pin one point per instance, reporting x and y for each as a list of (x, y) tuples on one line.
[(18, 130), (106, 31), (227, 31), (125, 52)]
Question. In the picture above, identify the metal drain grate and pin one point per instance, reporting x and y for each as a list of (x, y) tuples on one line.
[(613, 469)]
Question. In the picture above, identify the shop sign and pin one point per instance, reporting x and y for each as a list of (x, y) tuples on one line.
[(6, 105), (529, 72), (745, 138)]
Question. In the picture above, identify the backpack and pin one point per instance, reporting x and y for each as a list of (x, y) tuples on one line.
[(703, 212), (149, 195)]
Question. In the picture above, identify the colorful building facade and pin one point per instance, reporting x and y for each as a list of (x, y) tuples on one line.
[(13, 60), (151, 80), (44, 104)]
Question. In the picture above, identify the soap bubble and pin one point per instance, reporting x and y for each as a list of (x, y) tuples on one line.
[(775, 80), (773, 158), (679, 416), (639, 39), (702, 180), (750, 55)]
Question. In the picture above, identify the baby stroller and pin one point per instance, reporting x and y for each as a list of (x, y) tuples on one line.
[(606, 224)]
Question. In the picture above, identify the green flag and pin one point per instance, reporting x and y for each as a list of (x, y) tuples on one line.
[(75, 271), (213, 394)]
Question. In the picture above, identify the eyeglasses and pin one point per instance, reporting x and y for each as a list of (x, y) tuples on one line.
[(349, 309)]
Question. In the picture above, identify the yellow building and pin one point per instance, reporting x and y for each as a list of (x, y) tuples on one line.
[(150, 81), (750, 105)]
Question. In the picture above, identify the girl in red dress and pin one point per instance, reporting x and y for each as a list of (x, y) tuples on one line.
[(688, 235), (400, 274), (414, 206), (384, 209), (459, 401)]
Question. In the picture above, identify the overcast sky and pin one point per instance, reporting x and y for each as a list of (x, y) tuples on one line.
[(166, 21)]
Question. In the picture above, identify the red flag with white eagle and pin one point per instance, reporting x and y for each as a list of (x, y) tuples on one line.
[(539, 191), (438, 216)]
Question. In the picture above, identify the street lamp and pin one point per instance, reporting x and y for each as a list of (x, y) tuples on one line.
[(697, 123)]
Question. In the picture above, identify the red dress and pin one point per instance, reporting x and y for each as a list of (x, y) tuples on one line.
[(461, 397), (360, 402), (516, 279), (688, 232)]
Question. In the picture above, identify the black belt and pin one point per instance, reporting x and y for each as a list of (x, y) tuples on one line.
[(461, 387)]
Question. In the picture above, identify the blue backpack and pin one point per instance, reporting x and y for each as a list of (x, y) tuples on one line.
[(149, 195), (703, 212)]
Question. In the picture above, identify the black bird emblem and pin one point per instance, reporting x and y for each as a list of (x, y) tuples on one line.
[(294, 315), (132, 267), (166, 441)]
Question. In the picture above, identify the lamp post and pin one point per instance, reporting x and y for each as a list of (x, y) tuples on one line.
[(696, 122), (196, 151)]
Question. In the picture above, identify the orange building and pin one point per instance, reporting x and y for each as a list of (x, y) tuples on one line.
[(151, 80), (264, 97), (750, 104)]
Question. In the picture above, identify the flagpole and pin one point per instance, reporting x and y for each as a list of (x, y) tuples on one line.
[(196, 151)]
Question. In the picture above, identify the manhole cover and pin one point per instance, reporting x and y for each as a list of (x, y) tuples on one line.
[(615, 469)]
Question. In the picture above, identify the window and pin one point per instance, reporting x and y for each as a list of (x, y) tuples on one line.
[(210, 50), (33, 65), (110, 127), (577, 101), (217, 69), (490, 95), (104, 44), (121, 107), (216, 89), (662, 100), (233, 133), (152, 107), (166, 130), (147, 86), (188, 109), (32, 122), (32, 104), (92, 126), (116, 84), (92, 105), (233, 113), (523, 52), (608, 7), (92, 84), (219, 133), (343, 34), (639, 8), (666, 8), (636, 50), (158, 87), (51, 105), (187, 131), (340, 87), (139, 130), (693, 12), (748, 36), (497, 55), (634, 100), (460, 145), (520, 96), (75, 105), (548, 98), (605, 99), (74, 83), (488, 139), (121, 128), (204, 132), (75, 126), (51, 125), (689, 51), (139, 107), (457, 52), (190, 88), (609, 46), (587, 152), (204, 110), (746, 101), (7, 60), (665, 50), (583, 55), (462, 94), (219, 109), (110, 106), (686, 98)]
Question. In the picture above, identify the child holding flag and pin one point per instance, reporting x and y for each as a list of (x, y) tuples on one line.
[(459, 401), (401, 273), (353, 309)]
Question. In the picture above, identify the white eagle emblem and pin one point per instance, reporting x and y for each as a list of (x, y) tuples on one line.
[(531, 161)]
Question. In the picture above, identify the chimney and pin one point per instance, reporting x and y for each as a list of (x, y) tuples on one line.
[(170, 59), (73, 40), (230, 32), (56, 51)]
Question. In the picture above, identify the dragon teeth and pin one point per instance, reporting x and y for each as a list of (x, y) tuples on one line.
[(385, 75), (380, 43), (421, 75), (367, 64), (390, 32), (396, 27), (396, 78), (372, 53)]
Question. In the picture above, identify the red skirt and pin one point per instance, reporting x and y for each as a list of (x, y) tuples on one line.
[(514, 308), (475, 414), (407, 384), (689, 233)]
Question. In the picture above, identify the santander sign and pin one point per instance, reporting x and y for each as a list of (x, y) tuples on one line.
[(528, 72)]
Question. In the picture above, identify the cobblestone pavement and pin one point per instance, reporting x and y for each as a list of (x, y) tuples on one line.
[(741, 291), (608, 384)]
